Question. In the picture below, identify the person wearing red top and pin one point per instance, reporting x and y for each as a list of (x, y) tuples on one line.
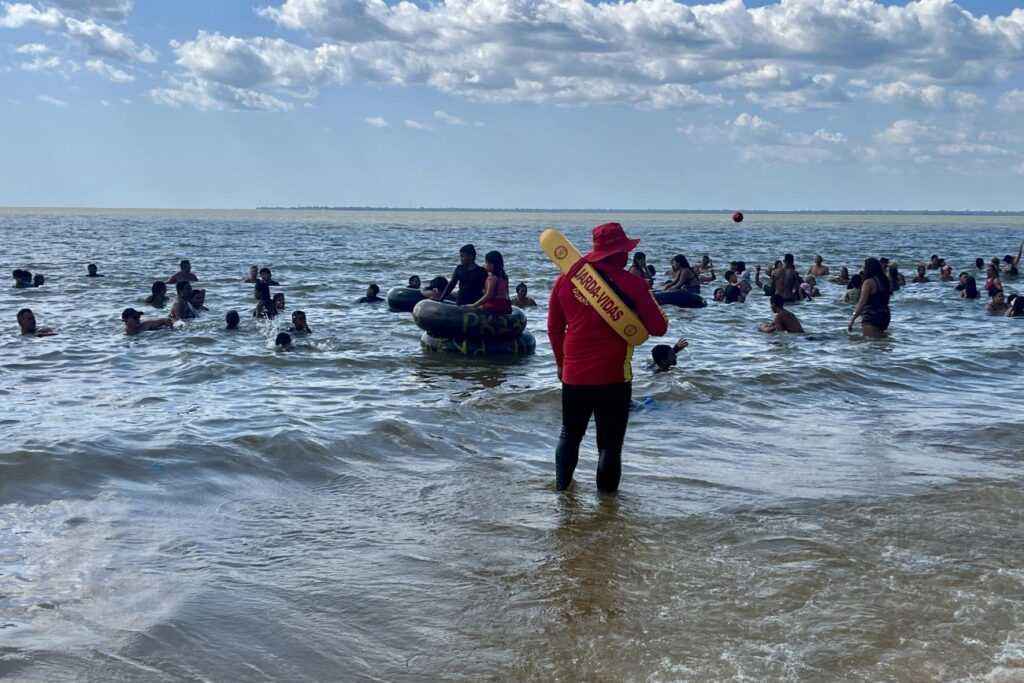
[(595, 363)]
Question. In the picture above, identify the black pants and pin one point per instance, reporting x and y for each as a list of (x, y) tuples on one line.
[(609, 404)]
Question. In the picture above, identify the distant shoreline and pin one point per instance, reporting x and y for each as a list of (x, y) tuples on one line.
[(752, 212)]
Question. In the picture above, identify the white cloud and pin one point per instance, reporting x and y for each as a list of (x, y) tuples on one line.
[(32, 49), (108, 10), (924, 97), (416, 125), (105, 103), (109, 72), (46, 99), (790, 55), (42, 64), (1011, 102), (215, 96), (92, 37), (961, 149), (378, 122), (758, 140), (449, 119)]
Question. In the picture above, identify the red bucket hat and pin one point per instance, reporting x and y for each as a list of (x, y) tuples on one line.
[(609, 238)]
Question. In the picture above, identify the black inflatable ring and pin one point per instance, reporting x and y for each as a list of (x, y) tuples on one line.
[(460, 322), (403, 298), (523, 345), (680, 298)]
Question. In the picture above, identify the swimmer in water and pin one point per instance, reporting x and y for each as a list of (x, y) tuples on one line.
[(993, 284), (198, 298), (997, 304), (414, 282), (520, 300), (818, 268), (782, 320), (38, 280), (264, 305), (182, 306), (663, 356), (471, 278), (843, 278), (970, 288), (639, 266), (1016, 308), (92, 270), (267, 277), (279, 301), (27, 323), (979, 264), (1011, 265), (371, 295), (184, 274), (435, 289), (253, 276), (786, 281), (283, 341), (133, 324), (299, 325), (232, 319), (921, 276), (158, 297), (946, 273), (934, 263), (852, 295), (22, 279), (873, 304)]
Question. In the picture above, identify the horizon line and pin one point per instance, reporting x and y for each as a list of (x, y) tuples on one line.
[(454, 209)]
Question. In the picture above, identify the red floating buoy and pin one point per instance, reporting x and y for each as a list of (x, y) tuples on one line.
[(737, 217)]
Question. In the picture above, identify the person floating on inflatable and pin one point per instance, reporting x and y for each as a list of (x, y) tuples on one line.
[(593, 358)]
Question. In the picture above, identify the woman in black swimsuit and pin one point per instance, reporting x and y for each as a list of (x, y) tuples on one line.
[(874, 300)]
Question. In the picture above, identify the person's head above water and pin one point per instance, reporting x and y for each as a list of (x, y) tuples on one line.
[(640, 261), (730, 276), (159, 288), (197, 297), (132, 320), (719, 294), (679, 262), (777, 303), (92, 269), (663, 356), (27, 321), (279, 302), (979, 263), (921, 269), (299, 321), (467, 254), (232, 319), (38, 280), (254, 272), (372, 291), (414, 282), (265, 274), (521, 290), (439, 283), (283, 340), (787, 259), (817, 260), (856, 280), (183, 289), (185, 266)]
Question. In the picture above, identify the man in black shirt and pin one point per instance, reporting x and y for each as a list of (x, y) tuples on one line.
[(470, 277)]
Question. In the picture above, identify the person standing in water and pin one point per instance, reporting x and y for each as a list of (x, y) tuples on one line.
[(470, 278), (594, 362), (521, 300), (874, 300), (184, 274)]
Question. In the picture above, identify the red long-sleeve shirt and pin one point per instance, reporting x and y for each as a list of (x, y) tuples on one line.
[(586, 347)]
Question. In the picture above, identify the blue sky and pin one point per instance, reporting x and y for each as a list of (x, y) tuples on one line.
[(645, 104)]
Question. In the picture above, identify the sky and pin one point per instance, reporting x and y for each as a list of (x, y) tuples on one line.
[(547, 104)]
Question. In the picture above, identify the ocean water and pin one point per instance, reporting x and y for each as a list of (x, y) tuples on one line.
[(192, 505)]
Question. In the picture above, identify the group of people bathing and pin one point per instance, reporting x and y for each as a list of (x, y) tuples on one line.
[(485, 287)]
